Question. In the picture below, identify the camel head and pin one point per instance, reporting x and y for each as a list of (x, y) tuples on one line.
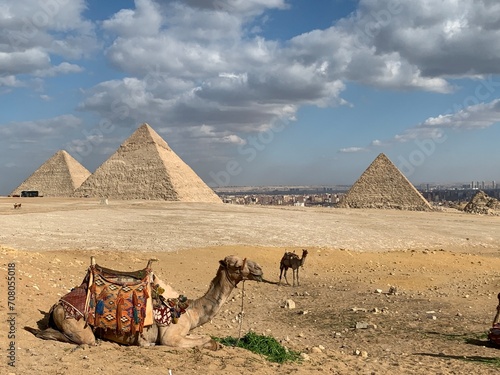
[(238, 269)]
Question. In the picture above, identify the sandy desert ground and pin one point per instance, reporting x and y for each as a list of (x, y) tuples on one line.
[(444, 268)]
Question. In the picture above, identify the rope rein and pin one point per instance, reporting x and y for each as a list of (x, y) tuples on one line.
[(242, 301), (241, 313)]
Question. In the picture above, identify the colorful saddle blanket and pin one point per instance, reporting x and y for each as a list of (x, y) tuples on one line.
[(169, 311), (74, 302), (124, 302), (117, 302)]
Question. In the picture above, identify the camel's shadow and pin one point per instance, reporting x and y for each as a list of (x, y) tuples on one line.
[(41, 324), (477, 359), (478, 342), (477, 339), (470, 341)]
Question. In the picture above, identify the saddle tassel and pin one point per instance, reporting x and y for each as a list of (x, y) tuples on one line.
[(99, 308), (136, 307), (144, 309), (119, 313)]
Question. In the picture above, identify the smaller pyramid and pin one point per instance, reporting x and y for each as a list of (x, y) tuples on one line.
[(59, 176), (145, 167), (382, 185), (483, 204)]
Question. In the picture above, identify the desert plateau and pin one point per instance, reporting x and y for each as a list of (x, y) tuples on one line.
[(381, 291)]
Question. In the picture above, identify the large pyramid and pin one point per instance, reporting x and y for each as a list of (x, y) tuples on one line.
[(382, 185), (57, 177), (145, 167)]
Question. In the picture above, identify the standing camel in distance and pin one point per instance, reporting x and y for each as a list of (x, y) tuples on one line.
[(292, 260)]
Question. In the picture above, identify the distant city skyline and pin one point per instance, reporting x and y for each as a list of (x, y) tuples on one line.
[(256, 93)]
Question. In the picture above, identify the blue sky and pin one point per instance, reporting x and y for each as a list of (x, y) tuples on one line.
[(255, 92)]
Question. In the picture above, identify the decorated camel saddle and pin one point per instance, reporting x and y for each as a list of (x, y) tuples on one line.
[(494, 334), (122, 301)]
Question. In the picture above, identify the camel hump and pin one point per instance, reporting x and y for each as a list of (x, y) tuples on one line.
[(290, 255)]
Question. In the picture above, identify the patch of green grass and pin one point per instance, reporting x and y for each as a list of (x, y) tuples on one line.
[(267, 346)]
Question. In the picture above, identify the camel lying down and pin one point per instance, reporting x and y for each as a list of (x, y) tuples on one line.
[(232, 270)]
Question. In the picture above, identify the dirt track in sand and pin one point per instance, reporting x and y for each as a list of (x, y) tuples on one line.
[(445, 266)]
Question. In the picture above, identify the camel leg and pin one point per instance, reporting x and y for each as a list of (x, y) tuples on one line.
[(283, 270), (149, 336), (497, 315), (176, 335), (284, 275), (67, 330)]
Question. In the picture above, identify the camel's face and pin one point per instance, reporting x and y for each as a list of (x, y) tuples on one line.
[(241, 269)]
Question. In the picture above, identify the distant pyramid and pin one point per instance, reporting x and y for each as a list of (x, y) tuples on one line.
[(145, 167), (482, 204), (382, 185), (57, 177)]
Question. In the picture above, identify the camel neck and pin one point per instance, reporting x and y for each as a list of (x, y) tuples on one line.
[(218, 293)]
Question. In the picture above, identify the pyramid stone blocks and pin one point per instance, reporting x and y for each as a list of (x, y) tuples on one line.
[(145, 167), (59, 176), (482, 204)]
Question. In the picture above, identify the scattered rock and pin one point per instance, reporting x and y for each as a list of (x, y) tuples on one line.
[(393, 290), (305, 357), (361, 325), (358, 309), (365, 325)]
